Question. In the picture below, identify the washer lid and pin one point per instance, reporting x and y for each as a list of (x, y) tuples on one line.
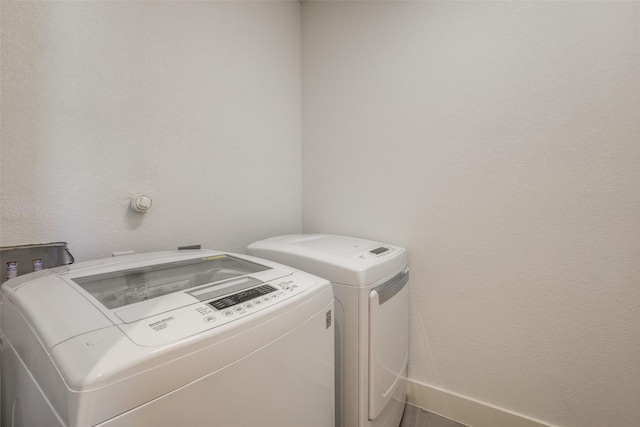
[(340, 259), (120, 288), (62, 303)]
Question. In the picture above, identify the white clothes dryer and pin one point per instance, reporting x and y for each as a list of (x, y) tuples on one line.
[(372, 319), (182, 338)]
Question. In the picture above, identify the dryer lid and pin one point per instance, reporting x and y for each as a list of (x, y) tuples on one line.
[(343, 260)]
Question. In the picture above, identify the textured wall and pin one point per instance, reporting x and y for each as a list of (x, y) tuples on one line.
[(195, 103), (499, 142)]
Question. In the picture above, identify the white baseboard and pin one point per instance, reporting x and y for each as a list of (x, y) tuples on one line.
[(465, 410)]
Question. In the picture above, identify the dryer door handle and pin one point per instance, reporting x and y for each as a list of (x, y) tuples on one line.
[(391, 287)]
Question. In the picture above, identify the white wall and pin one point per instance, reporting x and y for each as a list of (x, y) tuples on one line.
[(195, 103), (499, 142)]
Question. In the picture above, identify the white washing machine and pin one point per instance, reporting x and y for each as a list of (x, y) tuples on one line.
[(183, 338), (372, 319)]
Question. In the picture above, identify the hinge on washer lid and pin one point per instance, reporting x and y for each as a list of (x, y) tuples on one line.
[(189, 247)]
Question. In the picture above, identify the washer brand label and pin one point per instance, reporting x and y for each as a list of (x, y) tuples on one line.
[(161, 324)]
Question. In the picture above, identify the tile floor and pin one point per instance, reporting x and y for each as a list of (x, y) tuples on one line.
[(417, 417)]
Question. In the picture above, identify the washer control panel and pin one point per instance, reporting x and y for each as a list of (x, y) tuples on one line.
[(245, 302), (240, 297), (199, 317)]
